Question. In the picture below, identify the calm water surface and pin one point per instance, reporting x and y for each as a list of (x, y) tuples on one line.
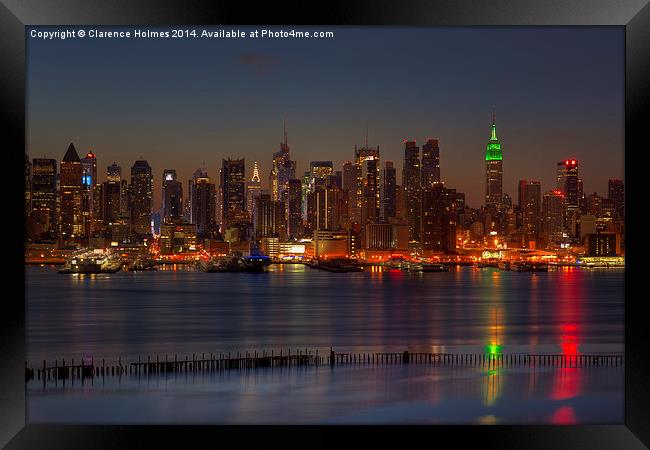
[(185, 311)]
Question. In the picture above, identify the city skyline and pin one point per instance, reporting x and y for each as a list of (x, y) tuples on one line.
[(544, 114)]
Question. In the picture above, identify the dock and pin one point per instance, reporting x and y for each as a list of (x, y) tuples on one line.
[(215, 362)]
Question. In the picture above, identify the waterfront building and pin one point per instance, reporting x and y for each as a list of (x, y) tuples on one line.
[(493, 171), (438, 222), (411, 179), (177, 238), (233, 191), (430, 163), (603, 244), (141, 198), (70, 187), (172, 197), (44, 199), (333, 244), (269, 219)]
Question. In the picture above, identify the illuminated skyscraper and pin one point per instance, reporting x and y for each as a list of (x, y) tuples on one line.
[(253, 189), (233, 191), (172, 197), (411, 180), (283, 169), (493, 171), (568, 184), (141, 198), (70, 190), (89, 180), (349, 184), (367, 171), (44, 199), (430, 163)]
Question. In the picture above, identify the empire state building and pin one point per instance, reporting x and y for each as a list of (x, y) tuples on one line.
[(493, 171)]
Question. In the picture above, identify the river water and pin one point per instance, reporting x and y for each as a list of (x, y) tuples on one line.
[(183, 311)]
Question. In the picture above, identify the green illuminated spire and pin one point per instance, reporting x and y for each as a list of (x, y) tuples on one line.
[(493, 152)]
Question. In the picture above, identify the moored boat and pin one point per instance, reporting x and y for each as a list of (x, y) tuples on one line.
[(92, 261)]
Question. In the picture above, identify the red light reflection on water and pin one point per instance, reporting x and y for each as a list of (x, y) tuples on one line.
[(564, 416)]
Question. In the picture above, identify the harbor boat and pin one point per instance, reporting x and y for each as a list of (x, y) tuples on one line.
[(235, 264), (92, 261), (338, 265), (142, 264), (424, 267), (487, 263), (526, 266), (504, 265)]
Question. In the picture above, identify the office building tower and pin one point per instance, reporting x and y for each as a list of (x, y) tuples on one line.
[(141, 198), (552, 217), (616, 192), (438, 222), (389, 191), (411, 180), (430, 163), (172, 198), (294, 209), (493, 171), (532, 209), (233, 192), (203, 196), (70, 190), (253, 190), (283, 169)]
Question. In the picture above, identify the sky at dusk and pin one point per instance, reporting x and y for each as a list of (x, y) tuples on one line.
[(558, 94)]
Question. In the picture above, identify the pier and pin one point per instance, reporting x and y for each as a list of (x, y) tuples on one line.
[(251, 360)]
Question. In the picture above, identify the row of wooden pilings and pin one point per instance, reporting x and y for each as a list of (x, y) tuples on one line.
[(251, 360)]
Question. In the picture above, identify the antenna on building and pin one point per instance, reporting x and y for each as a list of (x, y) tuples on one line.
[(366, 135), (284, 130)]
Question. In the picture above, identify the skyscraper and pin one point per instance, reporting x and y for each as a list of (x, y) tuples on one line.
[(233, 191), (367, 168), (389, 191), (269, 219), (89, 180), (567, 183), (294, 208), (141, 198), (253, 190), (349, 183), (616, 192), (70, 181), (411, 181), (44, 199), (172, 197), (493, 171), (532, 209), (552, 217), (203, 197), (283, 169), (438, 220), (28, 197), (430, 163)]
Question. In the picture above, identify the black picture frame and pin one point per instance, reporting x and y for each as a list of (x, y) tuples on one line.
[(634, 15)]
